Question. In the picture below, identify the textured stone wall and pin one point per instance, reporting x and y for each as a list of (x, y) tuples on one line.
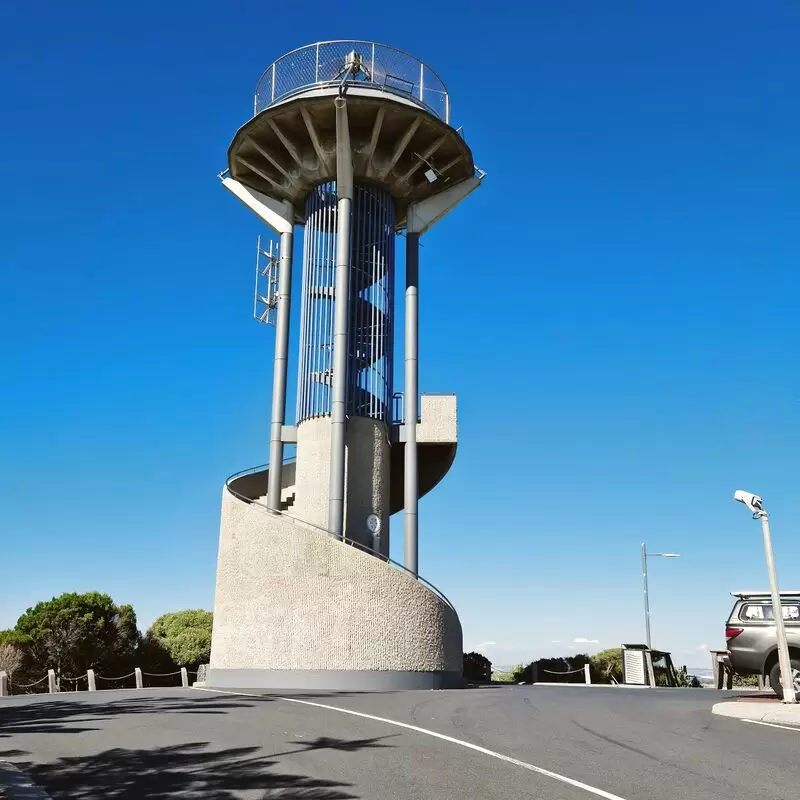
[(291, 598), (438, 419)]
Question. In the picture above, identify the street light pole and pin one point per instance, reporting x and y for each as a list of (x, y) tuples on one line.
[(787, 681), (646, 595), (755, 504), (645, 590)]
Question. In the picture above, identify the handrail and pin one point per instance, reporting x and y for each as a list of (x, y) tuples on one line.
[(350, 41), (299, 70), (350, 542)]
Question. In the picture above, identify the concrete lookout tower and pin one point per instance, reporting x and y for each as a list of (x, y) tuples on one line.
[(352, 141)]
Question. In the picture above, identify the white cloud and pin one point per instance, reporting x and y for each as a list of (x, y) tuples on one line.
[(702, 648), (555, 641), (584, 640), (486, 644)]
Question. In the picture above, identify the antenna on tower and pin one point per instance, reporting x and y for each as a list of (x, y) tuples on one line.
[(265, 295)]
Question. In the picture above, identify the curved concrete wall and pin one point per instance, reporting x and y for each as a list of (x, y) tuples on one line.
[(297, 608)]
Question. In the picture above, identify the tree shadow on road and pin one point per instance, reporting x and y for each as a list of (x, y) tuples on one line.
[(189, 772), (63, 715), (75, 713)]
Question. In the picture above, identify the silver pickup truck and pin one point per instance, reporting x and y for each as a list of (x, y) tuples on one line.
[(752, 643)]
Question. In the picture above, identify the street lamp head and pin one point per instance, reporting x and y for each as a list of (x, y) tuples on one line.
[(666, 555), (752, 501)]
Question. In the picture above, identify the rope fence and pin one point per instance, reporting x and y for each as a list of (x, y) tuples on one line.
[(76, 683), (565, 672), (29, 685), (565, 675)]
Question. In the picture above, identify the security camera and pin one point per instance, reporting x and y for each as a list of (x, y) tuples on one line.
[(752, 501)]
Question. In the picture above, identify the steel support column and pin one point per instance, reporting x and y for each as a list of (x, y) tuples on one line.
[(344, 194), (410, 404), (279, 371)]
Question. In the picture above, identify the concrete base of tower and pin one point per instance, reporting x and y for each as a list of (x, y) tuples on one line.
[(297, 608), (334, 680)]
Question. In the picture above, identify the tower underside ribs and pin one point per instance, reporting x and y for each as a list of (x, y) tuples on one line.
[(371, 289)]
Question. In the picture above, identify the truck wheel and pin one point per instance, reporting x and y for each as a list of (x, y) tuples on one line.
[(775, 678)]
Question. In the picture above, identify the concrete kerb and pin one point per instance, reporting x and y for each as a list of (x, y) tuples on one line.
[(589, 685), (770, 711)]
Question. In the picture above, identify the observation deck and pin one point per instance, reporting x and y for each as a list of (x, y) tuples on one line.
[(399, 125)]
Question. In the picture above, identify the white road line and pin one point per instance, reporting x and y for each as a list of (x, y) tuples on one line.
[(508, 759), (771, 725)]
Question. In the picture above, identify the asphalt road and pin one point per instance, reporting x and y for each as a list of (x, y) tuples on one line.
[(499, 742)]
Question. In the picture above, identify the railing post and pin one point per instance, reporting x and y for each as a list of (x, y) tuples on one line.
[(184, 678), (51, 681), (3, 683), (90, 680), (272, 100), (138, 672), (587, 674)]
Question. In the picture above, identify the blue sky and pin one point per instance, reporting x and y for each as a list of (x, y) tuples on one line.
[(616, 308)]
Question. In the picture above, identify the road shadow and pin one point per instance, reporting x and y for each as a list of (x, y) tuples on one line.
[(64, 715), (75, 713), (187, 771)]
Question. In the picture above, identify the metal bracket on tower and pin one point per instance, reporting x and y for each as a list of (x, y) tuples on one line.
[(265, 295)]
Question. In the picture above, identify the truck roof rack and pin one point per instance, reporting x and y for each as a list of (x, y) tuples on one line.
[(783, 593)]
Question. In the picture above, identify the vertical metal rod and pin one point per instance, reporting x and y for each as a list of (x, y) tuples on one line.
[(344, 192), (411, 485), (787, 679), (372, 70), (280, 366), (316, 70), (421, 82), (646, 594), (330, 271), (273, 84)]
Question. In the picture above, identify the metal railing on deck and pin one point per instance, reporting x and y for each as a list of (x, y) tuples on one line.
[(357, 62)]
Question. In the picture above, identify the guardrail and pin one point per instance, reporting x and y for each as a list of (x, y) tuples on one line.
[(355, 62)]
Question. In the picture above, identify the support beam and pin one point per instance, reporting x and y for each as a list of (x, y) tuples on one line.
[(279, 369), (291, 149), (277, 214), (410, 405), (376, 132), (314, 136), (425, 155), (258, 171), (400, 148), (275, 163), (344, 193), (422, 216)]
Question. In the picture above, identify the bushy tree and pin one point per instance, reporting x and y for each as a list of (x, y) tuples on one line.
[(10, 659), (477, 667), (608, 664), (75, 632), (180, 638)]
